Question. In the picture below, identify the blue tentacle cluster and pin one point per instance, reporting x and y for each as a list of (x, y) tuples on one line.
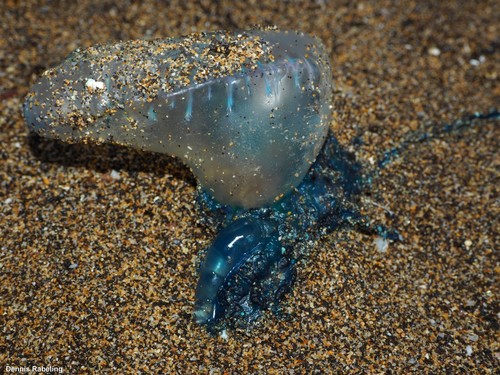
[(234, 245), (251, 264), (261, 269)]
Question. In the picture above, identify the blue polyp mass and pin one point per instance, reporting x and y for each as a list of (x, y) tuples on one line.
[(262, 270)]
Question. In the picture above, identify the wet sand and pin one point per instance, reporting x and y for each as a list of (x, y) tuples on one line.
[(100, 244)]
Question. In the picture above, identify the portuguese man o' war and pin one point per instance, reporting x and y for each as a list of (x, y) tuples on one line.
[(248, 112)]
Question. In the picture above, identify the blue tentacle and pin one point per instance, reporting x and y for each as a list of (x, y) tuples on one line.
[(234, 246)]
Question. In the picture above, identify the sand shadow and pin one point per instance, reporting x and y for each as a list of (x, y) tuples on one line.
[(107, 157)]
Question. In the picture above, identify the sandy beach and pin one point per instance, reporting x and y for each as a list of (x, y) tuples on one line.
[(99, 245)]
